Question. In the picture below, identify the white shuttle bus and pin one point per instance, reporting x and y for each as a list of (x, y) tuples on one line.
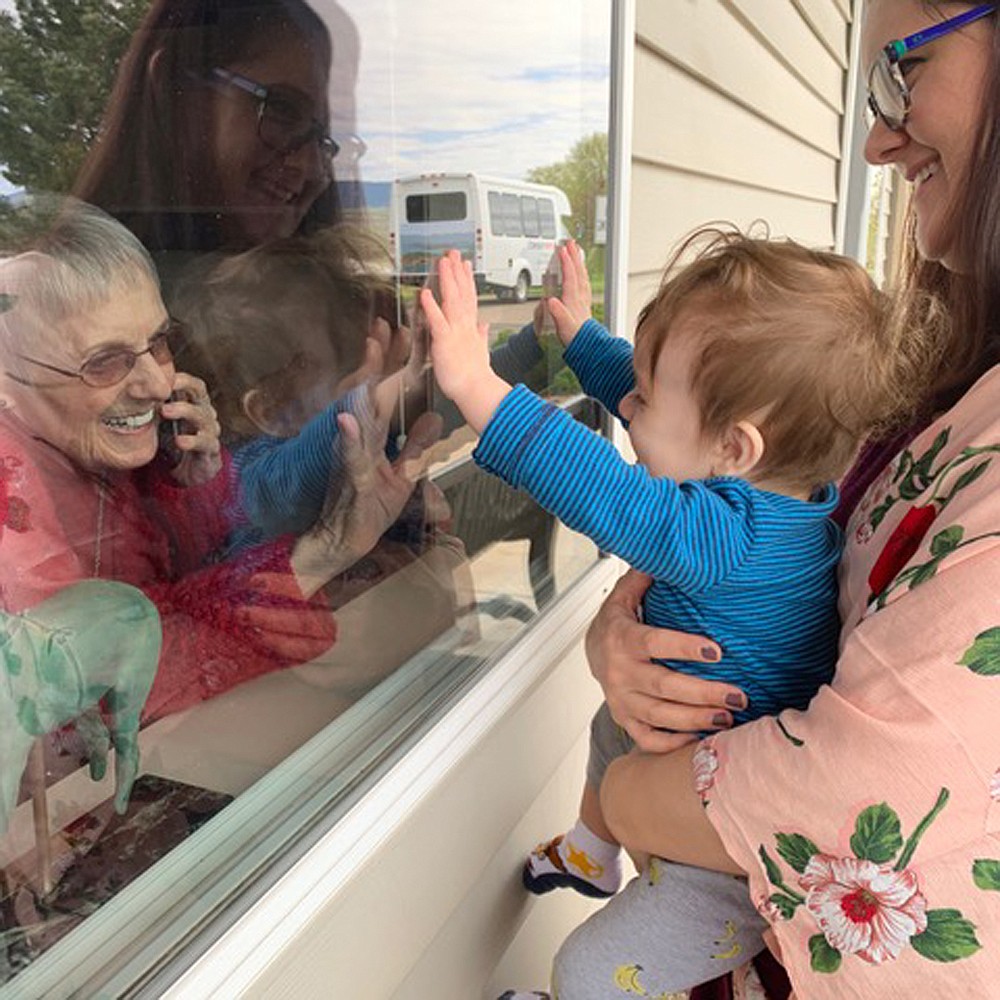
[(507, 228)]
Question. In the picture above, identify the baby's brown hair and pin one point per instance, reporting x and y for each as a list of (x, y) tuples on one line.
[(247, 319), (798, 341)]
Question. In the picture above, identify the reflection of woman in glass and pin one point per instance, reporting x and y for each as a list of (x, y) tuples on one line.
[(216, 134), (88, 381)]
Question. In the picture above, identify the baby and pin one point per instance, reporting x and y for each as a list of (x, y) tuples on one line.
[(289, 335), (758, 370)]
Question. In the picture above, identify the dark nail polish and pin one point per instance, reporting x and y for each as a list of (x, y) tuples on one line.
[(709, 653), (721, 720), (736, 701)]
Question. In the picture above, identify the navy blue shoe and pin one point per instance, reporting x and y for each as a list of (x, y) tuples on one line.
[(544, 871)]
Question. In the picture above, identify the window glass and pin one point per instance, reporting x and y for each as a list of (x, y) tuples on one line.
[(529, 215), (445, 207), (496, 213), (237, 514), (546, 218), (512, 215)]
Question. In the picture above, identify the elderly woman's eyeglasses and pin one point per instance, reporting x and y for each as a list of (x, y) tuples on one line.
[(107, 368), (285, 125), (888, 94)]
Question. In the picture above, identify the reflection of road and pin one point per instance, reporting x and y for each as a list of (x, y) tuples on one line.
[(505, 314)]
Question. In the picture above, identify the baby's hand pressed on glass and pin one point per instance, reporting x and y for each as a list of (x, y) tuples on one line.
[(572, 309), (459, 347)]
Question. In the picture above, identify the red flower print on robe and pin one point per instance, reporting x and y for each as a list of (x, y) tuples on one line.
[(900, 548)]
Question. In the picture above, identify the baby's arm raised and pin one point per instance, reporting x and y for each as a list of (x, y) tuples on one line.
[(459, 348)]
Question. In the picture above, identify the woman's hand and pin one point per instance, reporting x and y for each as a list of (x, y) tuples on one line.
[(645, 697), (367, 503), (198, 442), (572, 309)]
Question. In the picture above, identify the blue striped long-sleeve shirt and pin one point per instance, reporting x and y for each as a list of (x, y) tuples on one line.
[(754, 570), (284, 482)]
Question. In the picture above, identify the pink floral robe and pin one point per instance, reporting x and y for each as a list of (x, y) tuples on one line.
[(870, 824)]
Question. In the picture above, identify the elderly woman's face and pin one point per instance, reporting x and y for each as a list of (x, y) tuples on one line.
[(266, 192), (100, 429)]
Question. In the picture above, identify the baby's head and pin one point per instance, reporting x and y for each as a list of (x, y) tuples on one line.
[(771, 362), (276, 330)]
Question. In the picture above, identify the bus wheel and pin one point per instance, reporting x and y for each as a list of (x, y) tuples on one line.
[(520, 291)]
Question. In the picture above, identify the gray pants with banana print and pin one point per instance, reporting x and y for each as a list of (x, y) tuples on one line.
[(671, 928)]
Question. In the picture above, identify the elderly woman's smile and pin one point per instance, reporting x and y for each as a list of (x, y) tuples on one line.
[(130, 423), (109, 427)]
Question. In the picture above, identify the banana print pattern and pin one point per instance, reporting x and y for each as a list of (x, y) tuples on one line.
[(728, 946)]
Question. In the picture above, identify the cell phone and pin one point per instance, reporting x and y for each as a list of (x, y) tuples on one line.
[(168, 431)]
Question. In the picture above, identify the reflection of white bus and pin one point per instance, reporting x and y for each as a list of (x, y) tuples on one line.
[(508, 229)]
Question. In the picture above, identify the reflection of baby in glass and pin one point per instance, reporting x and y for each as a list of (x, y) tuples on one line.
[(286, 336), (757, 372)]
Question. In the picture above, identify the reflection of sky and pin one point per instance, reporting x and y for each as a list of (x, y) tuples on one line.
[(494, 87), (491, 87)]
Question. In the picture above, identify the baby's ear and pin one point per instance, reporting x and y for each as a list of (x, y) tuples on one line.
[(741, 449), (259, 409)]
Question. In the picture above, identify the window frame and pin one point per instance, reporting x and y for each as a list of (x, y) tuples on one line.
[(182, 929)]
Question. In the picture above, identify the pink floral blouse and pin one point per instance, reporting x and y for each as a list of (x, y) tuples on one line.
[(870, 824)]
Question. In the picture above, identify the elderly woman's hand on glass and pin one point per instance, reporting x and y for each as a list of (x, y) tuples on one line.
[(661, 709), (361, 509)]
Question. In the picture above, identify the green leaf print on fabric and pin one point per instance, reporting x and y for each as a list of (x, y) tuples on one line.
[(983, 656), (796, 849), (867, 907), (822, 957), (986, 874), (785, 904), (877, 834), (794, 740), (949, 937), (947, 541), (773, 871), (928, 491)]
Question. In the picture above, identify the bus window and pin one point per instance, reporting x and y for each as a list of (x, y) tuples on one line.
[(496, 213), (529, 215), (448, 206), (511, 215), (547, 218)]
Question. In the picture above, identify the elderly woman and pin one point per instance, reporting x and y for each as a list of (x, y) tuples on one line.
[(90, 391)]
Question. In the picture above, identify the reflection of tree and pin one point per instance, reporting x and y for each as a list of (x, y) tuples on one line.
[(57, 64), (583, 175)]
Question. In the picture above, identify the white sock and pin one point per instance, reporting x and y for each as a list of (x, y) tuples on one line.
[(589, 857)]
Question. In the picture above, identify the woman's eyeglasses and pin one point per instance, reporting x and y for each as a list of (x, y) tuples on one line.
[(888, 94), (285, 125), (110, 367)]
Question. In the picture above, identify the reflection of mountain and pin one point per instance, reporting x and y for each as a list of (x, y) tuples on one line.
[(377, 193)]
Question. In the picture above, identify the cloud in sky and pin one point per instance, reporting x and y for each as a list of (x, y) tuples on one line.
[(494, 87)]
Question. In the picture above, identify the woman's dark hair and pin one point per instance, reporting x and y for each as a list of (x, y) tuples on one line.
[(147, 165), (972, 294)]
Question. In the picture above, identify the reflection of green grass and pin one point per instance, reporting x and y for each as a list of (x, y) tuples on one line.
[(561, 381)]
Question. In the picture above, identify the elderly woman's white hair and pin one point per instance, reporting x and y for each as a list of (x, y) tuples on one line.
[(61, 257)]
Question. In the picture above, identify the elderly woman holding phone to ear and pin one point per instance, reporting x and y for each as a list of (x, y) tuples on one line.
[(88, 382), (869, 824)]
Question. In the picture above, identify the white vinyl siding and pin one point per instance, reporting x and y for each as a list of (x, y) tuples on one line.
[(739, 110)]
